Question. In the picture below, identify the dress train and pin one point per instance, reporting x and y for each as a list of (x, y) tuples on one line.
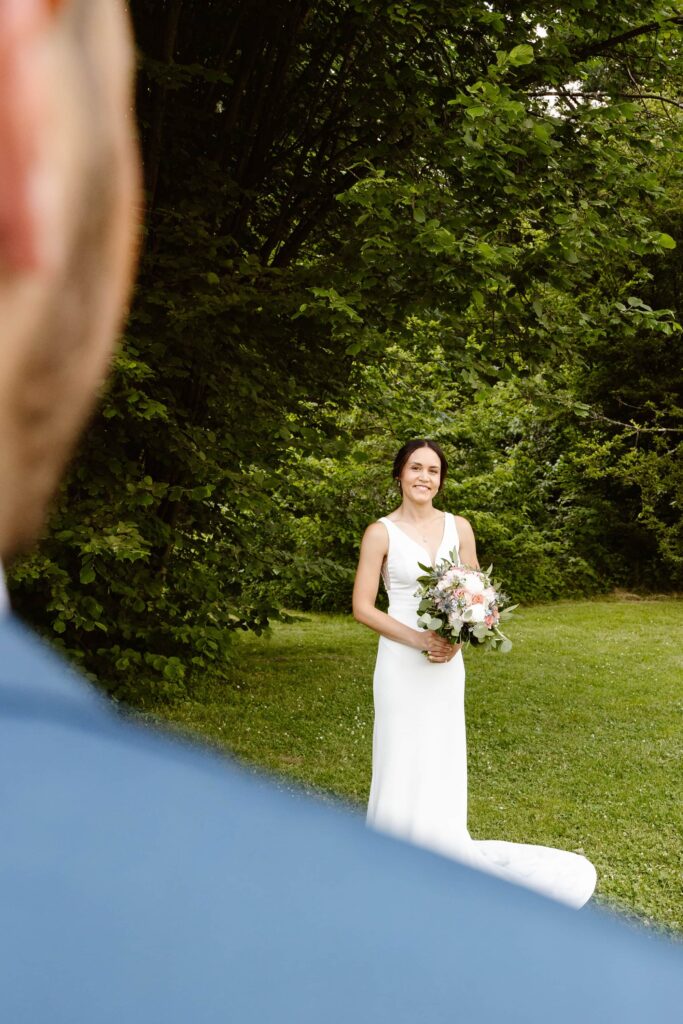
[(419, 756)]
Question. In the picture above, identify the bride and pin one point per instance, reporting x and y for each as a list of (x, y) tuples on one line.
[(419, 755)]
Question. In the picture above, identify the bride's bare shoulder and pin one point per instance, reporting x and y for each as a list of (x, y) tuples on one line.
[(464, 527), (378, 526), (375, 536), (394, 514), (461, 519)]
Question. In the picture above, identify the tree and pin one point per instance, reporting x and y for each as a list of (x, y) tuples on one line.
[(317, 174)]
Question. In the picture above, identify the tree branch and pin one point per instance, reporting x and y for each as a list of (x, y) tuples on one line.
[(153, 161), (608, 44), (566, 94), (650, 96)]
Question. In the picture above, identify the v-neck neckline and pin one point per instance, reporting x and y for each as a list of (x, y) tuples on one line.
[(421, 546)]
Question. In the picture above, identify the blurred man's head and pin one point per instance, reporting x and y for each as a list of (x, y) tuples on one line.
[(68, 201)]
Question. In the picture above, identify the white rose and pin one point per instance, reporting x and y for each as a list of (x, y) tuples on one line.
[(475, 613), (473, 583)]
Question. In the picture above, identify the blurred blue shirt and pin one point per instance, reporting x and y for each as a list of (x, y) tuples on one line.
[(145, 879)]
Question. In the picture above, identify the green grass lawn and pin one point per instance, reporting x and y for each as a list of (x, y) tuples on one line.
[(575, 738)]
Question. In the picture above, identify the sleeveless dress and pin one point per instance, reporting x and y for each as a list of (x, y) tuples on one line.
[(419, 753)]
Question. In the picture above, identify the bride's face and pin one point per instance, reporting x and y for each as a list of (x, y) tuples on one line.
[(421, 476)]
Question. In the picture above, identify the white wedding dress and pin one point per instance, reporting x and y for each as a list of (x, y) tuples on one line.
[(419, 755)]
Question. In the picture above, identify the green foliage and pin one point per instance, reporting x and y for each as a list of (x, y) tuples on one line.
[(326, 182), (535, 471)]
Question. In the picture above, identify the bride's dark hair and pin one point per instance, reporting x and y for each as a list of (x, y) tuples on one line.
[(407, 450)]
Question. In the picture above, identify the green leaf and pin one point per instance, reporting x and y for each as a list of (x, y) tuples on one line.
[(523, 54), (663, 240), (487, 251)]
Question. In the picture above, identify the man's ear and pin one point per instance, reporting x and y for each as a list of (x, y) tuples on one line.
[(25, 181)]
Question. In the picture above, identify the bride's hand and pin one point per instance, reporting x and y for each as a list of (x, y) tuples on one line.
[(452, 651), (438, 649)]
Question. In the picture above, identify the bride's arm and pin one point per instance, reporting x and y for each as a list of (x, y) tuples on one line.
[(468, 545), (373, 550)]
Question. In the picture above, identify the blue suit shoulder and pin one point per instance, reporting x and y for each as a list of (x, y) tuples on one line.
[(145, 879)]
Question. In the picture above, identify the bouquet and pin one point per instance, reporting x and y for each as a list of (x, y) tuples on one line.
[(463, 605)]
